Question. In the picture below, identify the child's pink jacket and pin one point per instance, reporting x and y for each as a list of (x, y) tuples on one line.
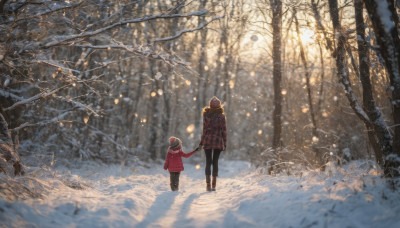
[(173, 161)]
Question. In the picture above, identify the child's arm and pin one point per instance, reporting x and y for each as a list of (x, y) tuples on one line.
[(166, 163), (186, 155)]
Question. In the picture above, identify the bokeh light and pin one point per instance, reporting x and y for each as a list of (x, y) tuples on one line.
[(190, 128)]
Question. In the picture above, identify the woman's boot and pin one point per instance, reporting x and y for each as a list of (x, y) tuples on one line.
[(214, 183), (208, 180)]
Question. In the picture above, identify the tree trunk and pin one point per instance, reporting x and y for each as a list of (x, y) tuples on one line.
[(276, 6), (369, 105), (201, 82), (321, 89), (167, 91), (372, 117), (307, 72), (341, 66), (2, 3), (385, 23), (318, 153), (10, 162), (220, 61), (135, 120), (153, 114), (320, 26)]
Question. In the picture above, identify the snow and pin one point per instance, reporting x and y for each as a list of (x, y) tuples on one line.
[(385, 15), (93, 195), (6, 82)]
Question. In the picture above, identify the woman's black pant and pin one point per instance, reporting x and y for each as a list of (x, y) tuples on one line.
[(212, 157)]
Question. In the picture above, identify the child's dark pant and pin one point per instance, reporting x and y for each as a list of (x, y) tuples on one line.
[(212, 159), (174, 180)]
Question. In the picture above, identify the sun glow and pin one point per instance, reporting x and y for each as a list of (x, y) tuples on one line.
[(307, 35)]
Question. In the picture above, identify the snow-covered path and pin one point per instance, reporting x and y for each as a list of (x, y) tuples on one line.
[(95, 196)]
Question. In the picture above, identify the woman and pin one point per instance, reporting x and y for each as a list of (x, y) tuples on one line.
[(213, 139)]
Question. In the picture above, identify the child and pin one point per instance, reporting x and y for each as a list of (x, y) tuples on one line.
[(173, 161)]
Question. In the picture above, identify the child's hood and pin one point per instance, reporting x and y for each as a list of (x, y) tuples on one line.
[(170, 150)]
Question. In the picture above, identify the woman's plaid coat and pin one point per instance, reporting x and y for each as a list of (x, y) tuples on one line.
[(214, 129)]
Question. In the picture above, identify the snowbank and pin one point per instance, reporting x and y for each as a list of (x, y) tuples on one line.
[(111, 196)]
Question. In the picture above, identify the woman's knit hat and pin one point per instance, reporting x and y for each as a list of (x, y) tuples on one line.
[(215, 102), (174, 142)]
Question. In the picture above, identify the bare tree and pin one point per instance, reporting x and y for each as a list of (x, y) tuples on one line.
[(307, 74), (276, 6), (201, 90), (369, 105), (319, 155), (64, 53), (385, 21), (371, 117)]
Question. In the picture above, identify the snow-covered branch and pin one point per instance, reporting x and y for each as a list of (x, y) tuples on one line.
[(57, 65), (45, 13), (62, 40), (180, 33), (4, 128), (8, 94), (34, 98), (344, 79), (79, 105), (25, 101), (42, 123), (142, 50)]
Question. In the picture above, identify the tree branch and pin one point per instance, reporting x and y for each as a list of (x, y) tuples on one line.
[(34, 98), (2, 3), (45, 13), (142, 50), (180, 33), (8, 94), (42, 123), (79, 105), (62, 40)]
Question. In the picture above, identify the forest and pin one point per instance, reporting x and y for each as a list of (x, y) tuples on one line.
[(306, 85)]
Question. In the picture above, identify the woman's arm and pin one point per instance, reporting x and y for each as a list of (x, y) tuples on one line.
[(204, 131), (223, 126)]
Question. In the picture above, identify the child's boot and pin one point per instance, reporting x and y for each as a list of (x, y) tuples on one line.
[(172, 187), (214, 183), (208, 182)]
